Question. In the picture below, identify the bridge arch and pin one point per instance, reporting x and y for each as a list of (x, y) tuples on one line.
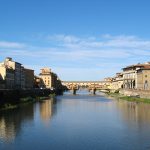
[(101, 85)]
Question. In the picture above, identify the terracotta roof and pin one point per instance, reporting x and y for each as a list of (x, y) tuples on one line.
[(147, 67), (138, 65)]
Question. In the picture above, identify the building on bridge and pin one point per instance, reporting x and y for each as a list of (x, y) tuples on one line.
[(86, 84)]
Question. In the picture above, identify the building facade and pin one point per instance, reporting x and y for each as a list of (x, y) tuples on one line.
[(45, 76), (136, 76), (15, 76), (143, 79), (117, 82), (29, 78), (22, 77), (48, 78), (7, 75), (17, 67)]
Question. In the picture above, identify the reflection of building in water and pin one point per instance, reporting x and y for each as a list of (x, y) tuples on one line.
[(11, 122), (46, 110), (132, 111), (7, 132)]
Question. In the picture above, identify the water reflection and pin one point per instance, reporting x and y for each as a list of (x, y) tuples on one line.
[(74, 122), (133, 111), (46, 109), (11, 122)]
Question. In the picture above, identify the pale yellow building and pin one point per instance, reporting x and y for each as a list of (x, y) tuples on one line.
[(7, 75), (136, 76), (11, 66), (143, 79), (108, 82), (108, 79), (15, 75), (117, 82), (17, 67), (49, 79)]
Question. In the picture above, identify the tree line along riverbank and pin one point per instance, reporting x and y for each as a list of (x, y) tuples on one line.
[(10, 99)]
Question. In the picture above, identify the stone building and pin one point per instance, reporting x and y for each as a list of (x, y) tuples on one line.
[(22, 77), (117, 82), (108, 79), (108, 82), (7, 75), (48, 78), (143, 79), (15, 67), (136, 76), (29, 78), (15, 75)]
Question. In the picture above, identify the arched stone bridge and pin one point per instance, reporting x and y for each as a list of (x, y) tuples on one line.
[(91, 85)]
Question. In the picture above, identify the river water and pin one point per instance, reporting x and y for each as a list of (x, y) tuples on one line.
[(77, 122)]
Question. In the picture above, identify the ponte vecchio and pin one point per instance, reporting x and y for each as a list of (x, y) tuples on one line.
[(91, 85)]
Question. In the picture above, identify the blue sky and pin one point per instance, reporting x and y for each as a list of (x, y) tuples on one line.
[(77, 39)]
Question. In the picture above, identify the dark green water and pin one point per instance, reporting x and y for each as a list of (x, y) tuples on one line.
[(81, 122)]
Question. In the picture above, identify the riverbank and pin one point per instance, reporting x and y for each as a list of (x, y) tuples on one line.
[(128, 98), (10, 99), (24, 101)]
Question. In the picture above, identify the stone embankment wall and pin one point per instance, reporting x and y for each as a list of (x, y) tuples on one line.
[(13, 96), (140, 93)]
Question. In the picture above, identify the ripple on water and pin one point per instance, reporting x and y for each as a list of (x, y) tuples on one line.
[(77, 122)]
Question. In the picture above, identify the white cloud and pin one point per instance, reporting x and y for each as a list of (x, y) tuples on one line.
[(6, 44), (109, 51), (72, 47), (105, 41)]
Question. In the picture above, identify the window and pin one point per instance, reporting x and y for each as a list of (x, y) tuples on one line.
[(146, 85)]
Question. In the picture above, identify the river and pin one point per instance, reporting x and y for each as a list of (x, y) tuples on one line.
[(77, 122)]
